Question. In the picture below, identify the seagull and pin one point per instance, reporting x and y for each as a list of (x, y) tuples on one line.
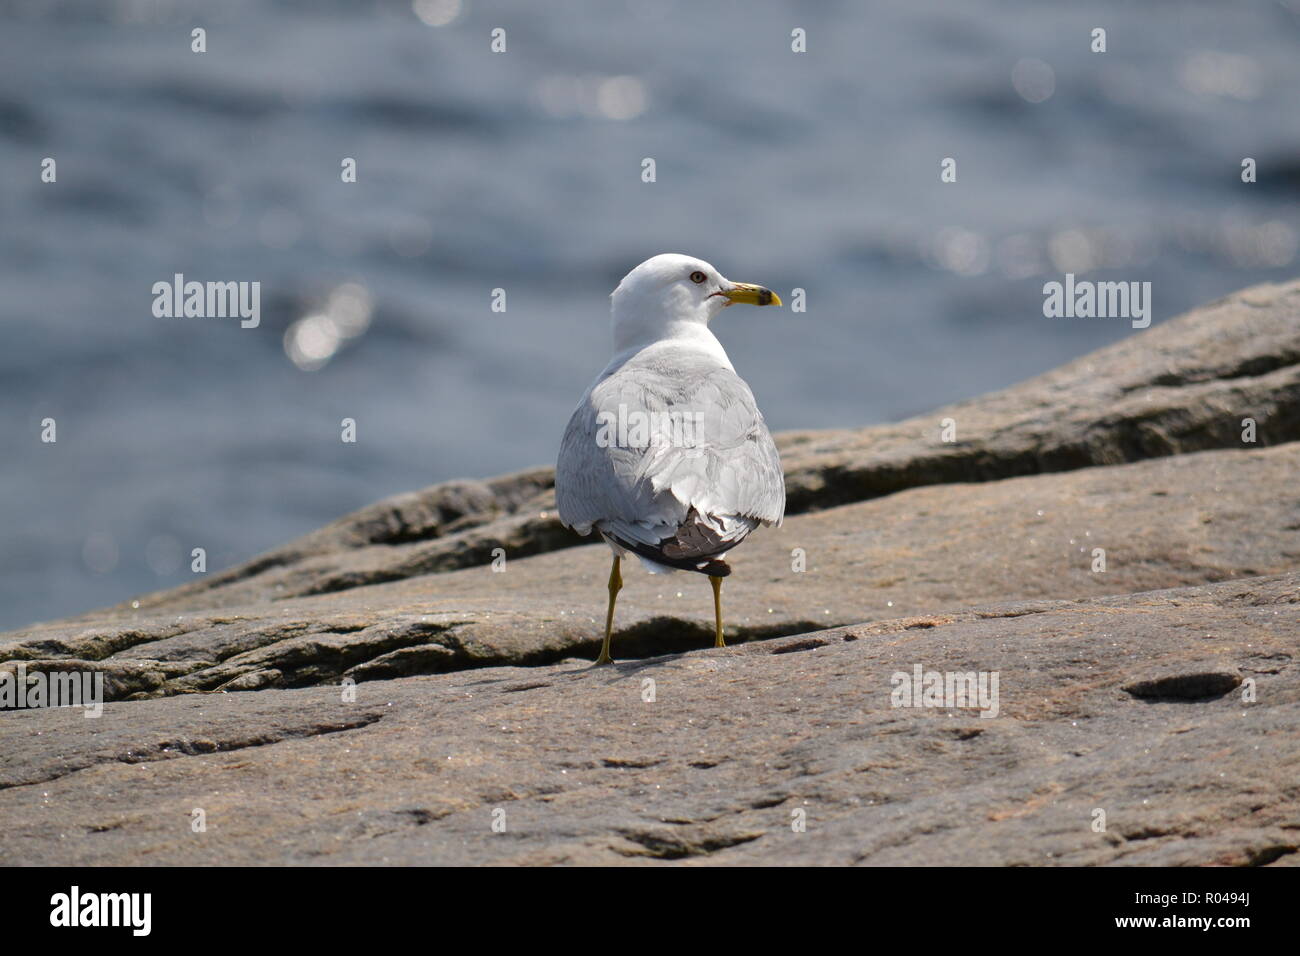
[(667, 456)]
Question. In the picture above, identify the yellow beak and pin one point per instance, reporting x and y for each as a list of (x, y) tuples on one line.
[(747, 294)]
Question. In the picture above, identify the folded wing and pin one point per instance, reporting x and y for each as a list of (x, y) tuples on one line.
[(669, 456)]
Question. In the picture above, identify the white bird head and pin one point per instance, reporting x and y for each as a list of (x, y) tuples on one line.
[(672, 295)]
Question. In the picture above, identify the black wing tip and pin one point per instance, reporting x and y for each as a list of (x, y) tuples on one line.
[(713, 567)]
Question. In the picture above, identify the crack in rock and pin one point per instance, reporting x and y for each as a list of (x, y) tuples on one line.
[(194, 747), (1185, 686), (677, 844)]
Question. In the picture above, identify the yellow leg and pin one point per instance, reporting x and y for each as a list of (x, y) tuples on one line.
[(717, 611), (615, 584)]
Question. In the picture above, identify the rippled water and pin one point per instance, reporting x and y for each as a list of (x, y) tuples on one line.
[(522, 171)]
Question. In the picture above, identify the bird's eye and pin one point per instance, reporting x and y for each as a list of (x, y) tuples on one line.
[(698, 277)]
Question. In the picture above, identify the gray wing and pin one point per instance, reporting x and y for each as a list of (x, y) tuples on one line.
[(670, 444)]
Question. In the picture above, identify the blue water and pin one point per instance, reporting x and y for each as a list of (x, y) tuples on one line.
[(522, 171)]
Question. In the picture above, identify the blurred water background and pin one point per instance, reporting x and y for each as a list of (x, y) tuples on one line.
[(522, 171)]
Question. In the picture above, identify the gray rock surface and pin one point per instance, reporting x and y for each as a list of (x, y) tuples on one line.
[(1125, 689), (582, 768)]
